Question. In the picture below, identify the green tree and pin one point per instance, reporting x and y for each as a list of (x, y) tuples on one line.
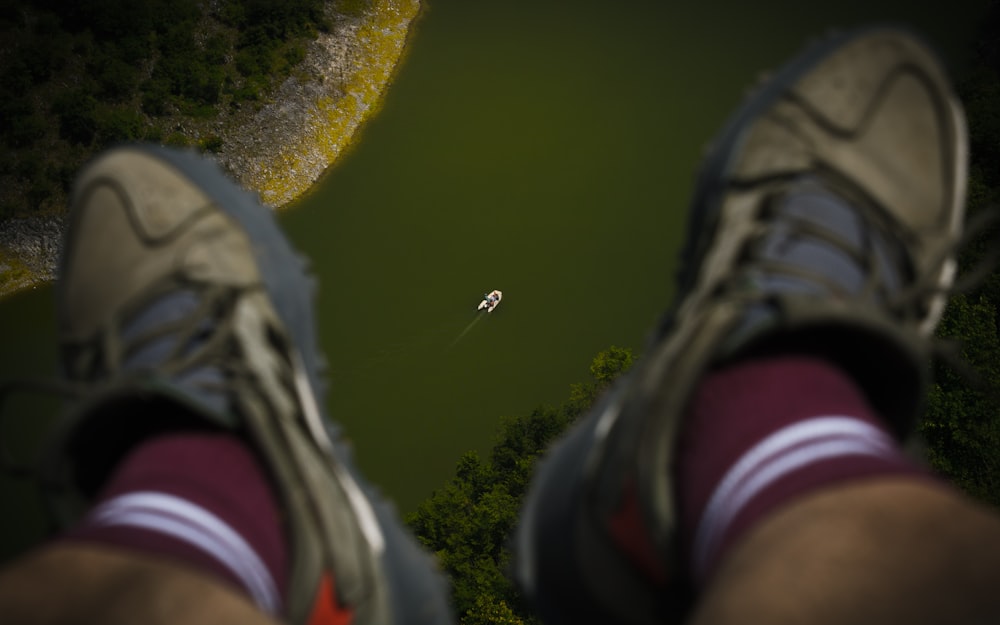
[(42, 56), (489, 610), (610, 364), (116, 79), (26, 130), (469, 523), (77, 111), (116, 125), (156, 95), (17, 77), (607, 366), (962, 420), (14, 109)]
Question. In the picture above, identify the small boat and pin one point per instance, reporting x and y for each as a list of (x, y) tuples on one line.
[(491, 300)]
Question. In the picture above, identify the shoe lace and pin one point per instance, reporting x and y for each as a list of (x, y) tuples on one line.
[(906, 302), (201, 338)]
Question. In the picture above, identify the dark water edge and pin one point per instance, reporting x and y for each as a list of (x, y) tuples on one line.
[(543, 148)]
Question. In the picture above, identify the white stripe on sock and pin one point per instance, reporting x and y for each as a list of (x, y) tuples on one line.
[(186, 521), (783, 452)]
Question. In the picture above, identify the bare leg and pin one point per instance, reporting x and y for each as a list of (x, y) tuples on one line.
[(68, 584), (881, 551)]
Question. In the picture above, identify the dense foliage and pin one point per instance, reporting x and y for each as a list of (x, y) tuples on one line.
[(962, 423), (82, 74), (469, 522)]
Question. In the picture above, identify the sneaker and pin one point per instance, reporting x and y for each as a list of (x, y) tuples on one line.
[(180, 304), (824, 220)]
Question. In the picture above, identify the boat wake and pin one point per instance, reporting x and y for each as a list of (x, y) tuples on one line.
[(465, 331)]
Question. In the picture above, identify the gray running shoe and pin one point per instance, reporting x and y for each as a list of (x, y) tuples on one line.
[(824, 221), (180, 304)]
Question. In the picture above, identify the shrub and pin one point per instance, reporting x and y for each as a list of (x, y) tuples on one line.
[(13, 110), (77, 111), (156, 95), (211, 143), (26, 130), (116, 79), (116, 125), (177, 139)]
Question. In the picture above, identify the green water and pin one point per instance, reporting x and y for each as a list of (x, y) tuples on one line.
[(543, 148)]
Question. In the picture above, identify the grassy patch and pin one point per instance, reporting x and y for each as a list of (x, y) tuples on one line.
[(14, 275)]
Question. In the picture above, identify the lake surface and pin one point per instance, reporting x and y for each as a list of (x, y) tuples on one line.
[(543, 148)]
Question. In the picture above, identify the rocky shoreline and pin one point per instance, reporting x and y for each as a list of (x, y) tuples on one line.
[(279, 150), (29, 251)]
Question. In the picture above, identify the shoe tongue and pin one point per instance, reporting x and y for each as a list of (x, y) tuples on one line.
[(804, 253), (808, 218), (202, 383)]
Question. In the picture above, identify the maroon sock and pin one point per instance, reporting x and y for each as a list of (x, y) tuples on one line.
[(202, 499), (763, 432)]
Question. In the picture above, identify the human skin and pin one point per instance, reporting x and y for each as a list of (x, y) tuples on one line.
[(65, 584), (879, 551), (885, 550)]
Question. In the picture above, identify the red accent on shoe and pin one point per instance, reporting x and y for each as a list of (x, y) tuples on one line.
[(629, 532), (327, 609)]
